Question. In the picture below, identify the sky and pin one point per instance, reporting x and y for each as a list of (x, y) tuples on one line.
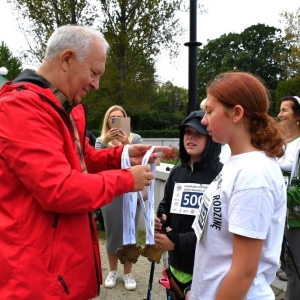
[(223, 16)]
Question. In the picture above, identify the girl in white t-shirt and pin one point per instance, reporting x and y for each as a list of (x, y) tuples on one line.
[(241, 220)]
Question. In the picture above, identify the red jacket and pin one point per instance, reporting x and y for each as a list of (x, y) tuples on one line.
[(48, 239)]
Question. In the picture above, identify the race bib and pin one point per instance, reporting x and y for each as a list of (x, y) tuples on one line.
[(187, 198), (201, 217)]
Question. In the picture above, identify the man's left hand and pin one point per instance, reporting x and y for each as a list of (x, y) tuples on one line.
[(137, 151)]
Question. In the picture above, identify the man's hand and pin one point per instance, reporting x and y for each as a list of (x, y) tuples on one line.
[(137, 151), (142, 177)]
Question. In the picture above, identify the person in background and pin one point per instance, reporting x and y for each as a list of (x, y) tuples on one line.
[(115, 136), (240, 223), (202, 104), (199, 164), (51, 179), (289, 116), (91, 137), (113, 212)]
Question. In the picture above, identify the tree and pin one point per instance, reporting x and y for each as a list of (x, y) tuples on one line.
[(292, 30), (168, 108), (258, 49), (289, 87), (137, 32), (12, 64), (39, 18)]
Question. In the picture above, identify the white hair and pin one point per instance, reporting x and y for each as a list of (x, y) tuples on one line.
[(202, 104), (73, 37)]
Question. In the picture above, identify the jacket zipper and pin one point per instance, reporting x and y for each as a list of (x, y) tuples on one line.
[(20, 87), (63, 284), (54, 225), (189, 177)]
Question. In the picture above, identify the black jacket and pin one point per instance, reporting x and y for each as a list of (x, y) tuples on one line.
[(182, 234)]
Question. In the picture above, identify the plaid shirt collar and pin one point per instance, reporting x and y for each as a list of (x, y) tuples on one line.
[(64, 101)]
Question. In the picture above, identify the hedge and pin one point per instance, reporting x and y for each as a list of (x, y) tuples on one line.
[(148, 133)]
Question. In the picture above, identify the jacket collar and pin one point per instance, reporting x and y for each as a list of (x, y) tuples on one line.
[(35, 78)]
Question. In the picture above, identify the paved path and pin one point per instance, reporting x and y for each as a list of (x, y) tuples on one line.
[(141, 272)]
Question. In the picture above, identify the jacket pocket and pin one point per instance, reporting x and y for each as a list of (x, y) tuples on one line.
[(61, 280)]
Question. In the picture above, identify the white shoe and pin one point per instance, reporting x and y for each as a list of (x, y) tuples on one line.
[(130, 283), (111, 279)]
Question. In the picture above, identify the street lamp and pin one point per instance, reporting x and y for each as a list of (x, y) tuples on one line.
[(193, 64)]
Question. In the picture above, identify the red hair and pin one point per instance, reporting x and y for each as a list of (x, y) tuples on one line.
[(247, 90)]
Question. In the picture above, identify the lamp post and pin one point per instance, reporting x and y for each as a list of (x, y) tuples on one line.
[(193, 47)]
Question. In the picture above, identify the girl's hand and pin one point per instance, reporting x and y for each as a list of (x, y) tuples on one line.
[(122, 137), (163, 241), (111, 135)]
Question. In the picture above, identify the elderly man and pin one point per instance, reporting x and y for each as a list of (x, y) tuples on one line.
[(51, 178)]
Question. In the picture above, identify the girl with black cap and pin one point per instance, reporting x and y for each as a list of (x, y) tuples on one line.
[(199, 156)]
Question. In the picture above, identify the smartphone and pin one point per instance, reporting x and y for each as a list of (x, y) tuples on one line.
[(123, 123)]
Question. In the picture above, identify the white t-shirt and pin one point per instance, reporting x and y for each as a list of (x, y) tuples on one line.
[(225, 153), (249, 200), (286, 161)]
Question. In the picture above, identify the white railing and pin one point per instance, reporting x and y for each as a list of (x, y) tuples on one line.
[(162, 142)]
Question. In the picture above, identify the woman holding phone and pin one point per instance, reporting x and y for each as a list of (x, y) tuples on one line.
[(111, 136), (113, 212)]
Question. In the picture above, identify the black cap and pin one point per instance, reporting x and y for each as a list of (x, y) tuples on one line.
[(194, 120)]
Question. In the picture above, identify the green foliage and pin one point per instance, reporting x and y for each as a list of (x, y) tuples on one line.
[(158, 133), (11, 63), (137, 31), (147, 133), (291, 22), (259, 49), (39, 18), (290, 87), (165, 108), (141, 238)]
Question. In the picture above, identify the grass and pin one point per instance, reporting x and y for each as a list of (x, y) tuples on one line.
[(172, 162), (141, 236)]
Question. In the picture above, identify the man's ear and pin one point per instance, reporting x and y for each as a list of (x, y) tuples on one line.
[(65, 58), (237, 113)]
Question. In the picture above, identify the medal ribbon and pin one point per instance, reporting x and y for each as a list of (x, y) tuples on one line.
[(130, 203)]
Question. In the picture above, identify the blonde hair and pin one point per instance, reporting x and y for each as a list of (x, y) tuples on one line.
[(105, 127)]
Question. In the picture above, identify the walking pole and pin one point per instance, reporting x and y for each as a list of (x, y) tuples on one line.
[(165, 254), (165, 261), (150, 280), (290, 254)]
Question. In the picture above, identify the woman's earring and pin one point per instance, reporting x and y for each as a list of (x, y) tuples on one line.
[(297, 122)]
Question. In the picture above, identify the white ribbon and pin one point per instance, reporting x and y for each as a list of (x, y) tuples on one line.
[(130, 203)]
